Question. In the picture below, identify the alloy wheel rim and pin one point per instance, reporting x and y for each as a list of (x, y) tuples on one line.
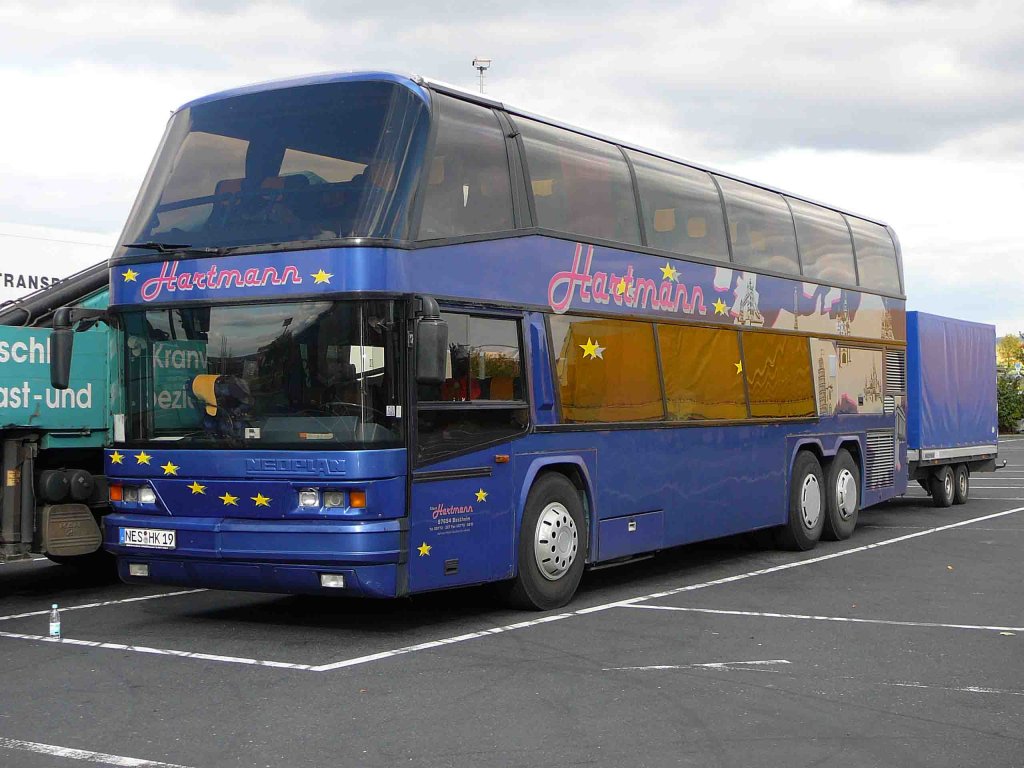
[(556, 541), (810, 501), (846, 493)]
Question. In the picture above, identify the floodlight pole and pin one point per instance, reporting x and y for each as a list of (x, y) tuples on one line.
[(481, 66)]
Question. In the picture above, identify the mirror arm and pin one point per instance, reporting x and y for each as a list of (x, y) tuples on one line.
[(65, 318)]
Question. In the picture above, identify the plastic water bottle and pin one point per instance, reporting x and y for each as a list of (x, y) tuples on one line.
[(54, 622)]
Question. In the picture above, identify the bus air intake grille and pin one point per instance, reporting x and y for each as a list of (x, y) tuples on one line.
[(895, 371), (888, 405), (881, 463)]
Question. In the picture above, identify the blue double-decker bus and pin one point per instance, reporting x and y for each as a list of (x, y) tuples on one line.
[(382, 336)]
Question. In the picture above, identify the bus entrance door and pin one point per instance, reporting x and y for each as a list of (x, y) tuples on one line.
[(461, 521)]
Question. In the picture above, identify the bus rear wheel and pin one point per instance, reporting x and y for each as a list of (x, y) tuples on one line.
[(842, 495), (806, 505), (552, 546), (962, 481), (942, 485)]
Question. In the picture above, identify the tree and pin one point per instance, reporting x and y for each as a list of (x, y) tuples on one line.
[(1011, 401), (1010, 349)]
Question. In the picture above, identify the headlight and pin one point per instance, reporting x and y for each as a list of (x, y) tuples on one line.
[(309, 497)]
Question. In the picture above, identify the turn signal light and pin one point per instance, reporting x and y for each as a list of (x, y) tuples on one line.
[(116, 493), (357, 499)]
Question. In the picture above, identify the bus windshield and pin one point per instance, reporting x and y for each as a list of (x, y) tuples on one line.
[(313, 163), (296, 375)]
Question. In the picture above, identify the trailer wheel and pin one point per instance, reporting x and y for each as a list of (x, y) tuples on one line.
[(963, 484), (806, 505), (552, 546), (942, 486), (842, 494)]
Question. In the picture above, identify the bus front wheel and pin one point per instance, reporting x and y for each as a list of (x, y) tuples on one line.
[(552, 546), (806, 505), (842, 495)]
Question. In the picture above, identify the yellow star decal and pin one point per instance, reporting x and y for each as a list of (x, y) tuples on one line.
[(620, 289), (170, 469), (229, 500), (129, 275), (196, 488), (719, 306), (142, 457), (424, 549), (592, 350), (739, 367), (116, 457), (261, 500), (481, 495), (668, 272), (321, 277)]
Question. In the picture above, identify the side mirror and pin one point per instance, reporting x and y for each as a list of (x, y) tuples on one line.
[(62, 342), (431, 343)]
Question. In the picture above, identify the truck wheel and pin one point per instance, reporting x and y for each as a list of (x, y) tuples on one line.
[(552, 546), (962, 478), (842, 496), (942, 487), (806, 505)]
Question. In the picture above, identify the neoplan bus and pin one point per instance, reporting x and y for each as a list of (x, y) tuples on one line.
[(382, 336)]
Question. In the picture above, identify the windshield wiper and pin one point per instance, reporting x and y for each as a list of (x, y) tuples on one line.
[(152, 245)]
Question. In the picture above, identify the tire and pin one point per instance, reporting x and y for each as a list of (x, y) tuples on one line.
[(550, 569), (842, 497), (961, 484), (807, 510), (942, 485)]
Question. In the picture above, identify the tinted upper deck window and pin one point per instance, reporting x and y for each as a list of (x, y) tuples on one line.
[(468, 186), (580, 185), (682, 211), (826, 251), (760, 226), (876, 256)]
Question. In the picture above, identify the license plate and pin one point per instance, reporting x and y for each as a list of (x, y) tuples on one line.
[(152, 538)]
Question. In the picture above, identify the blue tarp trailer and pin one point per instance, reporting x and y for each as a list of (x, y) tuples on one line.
[(952, 423)]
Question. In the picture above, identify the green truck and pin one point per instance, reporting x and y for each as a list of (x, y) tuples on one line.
[(53, 491)]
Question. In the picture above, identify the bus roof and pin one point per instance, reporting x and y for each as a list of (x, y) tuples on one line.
[(419, 84)]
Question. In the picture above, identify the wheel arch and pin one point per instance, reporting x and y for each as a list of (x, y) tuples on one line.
[(576, 470)]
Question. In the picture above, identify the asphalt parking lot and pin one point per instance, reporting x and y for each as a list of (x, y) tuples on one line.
[(902, 646)]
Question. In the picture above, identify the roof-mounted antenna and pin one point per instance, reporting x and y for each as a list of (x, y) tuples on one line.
[(481, 66)]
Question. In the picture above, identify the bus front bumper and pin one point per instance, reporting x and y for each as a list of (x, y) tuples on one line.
[(292, 557)]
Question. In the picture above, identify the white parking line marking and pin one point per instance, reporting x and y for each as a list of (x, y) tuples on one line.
[(102, 604), (710, 665), (83, 754), (438, 643), (155, 651), (967, 689), (796, 564), (360, 660), (845, 619)]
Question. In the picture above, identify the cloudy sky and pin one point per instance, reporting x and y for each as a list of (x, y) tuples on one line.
[(909, 111)]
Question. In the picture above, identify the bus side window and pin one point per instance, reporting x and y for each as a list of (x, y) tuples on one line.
[(590, 191), (468, 188), (482, 399), (762, 227), (876, 256), (681, 208)]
